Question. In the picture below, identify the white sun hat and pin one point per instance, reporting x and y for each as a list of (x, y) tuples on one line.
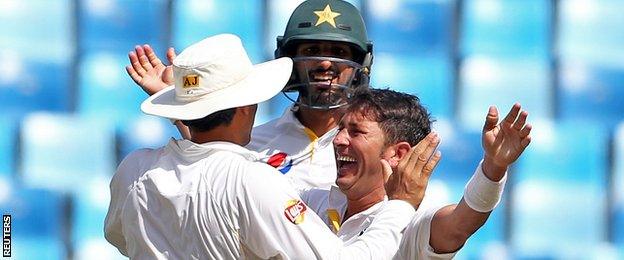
[(216, 74)]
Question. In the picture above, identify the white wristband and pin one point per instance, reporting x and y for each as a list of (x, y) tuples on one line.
[(482, 194)]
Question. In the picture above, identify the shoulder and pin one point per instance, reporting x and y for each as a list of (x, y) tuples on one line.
[(133, 166)]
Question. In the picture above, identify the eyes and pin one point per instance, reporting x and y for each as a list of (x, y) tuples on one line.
[(353, 131), (342, 52)]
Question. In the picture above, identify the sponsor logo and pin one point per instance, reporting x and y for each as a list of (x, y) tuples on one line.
[(295, 211), (281, 161)]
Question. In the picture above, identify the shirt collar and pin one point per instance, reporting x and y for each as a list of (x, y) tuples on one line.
[(191, 151), (338, 201), (289, 118)]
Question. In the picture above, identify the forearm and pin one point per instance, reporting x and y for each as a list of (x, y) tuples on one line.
[(453, 225)]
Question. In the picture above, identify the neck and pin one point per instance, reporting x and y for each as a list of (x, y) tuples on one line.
[(357, 204), (319, 121), (220, 133)]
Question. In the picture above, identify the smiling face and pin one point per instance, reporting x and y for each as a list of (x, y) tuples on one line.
[(324, 72), (378, 124), (359, 146)]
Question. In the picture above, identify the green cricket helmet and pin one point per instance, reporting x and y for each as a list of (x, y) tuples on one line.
[(322, 21)]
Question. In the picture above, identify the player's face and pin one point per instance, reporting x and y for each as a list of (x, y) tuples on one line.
[(359, 146), (327, 69)]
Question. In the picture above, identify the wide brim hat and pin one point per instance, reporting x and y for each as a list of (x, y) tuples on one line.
[(216, 74)]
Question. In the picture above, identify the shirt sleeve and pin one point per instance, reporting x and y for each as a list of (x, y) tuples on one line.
[(122, 181), (277, 223), (415, 241)]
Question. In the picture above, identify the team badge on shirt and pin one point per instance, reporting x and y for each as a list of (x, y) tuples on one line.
[(295, 211), (281, 161)]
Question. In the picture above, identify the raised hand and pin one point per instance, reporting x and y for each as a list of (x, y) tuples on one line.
[(411, 176), (148, 71), (503, 143)]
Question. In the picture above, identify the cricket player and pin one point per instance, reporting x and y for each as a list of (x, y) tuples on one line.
[(386, 124)]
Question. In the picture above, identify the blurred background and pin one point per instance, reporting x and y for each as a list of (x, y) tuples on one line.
[(69, 113)]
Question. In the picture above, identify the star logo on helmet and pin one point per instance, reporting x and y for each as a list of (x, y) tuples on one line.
[(327, 15)]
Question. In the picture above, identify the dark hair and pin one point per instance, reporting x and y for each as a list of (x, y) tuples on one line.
[(209, 122), (399, 115)]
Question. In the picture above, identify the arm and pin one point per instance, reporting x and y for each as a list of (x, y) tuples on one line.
[(147, 71), (127, 173), (502, 143)]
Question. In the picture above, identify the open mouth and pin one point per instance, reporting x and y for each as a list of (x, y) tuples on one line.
[(323, 77), (346, 164)]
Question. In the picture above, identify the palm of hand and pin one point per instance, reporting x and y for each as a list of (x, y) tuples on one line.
[(148, 71), (503, 143), (157, 78)]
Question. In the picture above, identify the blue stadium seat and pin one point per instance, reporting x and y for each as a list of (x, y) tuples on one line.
[(119, 25), (194, 20), (503, 82), (8, 145), (105, 90), (145, 132), (411, 26), (559, 195), (509, 28), (28, 85), (63, 152), (591, 92), (279, 103), (428, 77), (617, 232), (89, 208), (591, 31), (461, 153), (38, 29), (278, 12), (37, 221)]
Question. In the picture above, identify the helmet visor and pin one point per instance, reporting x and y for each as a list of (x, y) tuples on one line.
[(322, 82)]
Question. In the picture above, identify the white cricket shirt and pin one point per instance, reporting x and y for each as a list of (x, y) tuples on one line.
[(214, 201), (331, 206), (296, 151)]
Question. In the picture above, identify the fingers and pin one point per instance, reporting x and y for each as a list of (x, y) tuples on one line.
[(491, 120), (387, 170), (136, 65), (171, 55), (427, 153), (525, 131), (521, 120), (151, 56), (525, 142), (513, 114), (524, 134), (143, 58), (133, 74), (431, 164), (414, 151)]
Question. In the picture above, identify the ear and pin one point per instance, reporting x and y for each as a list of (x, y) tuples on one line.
[(246, 110), (394, 153)]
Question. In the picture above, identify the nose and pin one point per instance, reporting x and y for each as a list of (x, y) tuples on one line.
[(341, 138), (325, 64)]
